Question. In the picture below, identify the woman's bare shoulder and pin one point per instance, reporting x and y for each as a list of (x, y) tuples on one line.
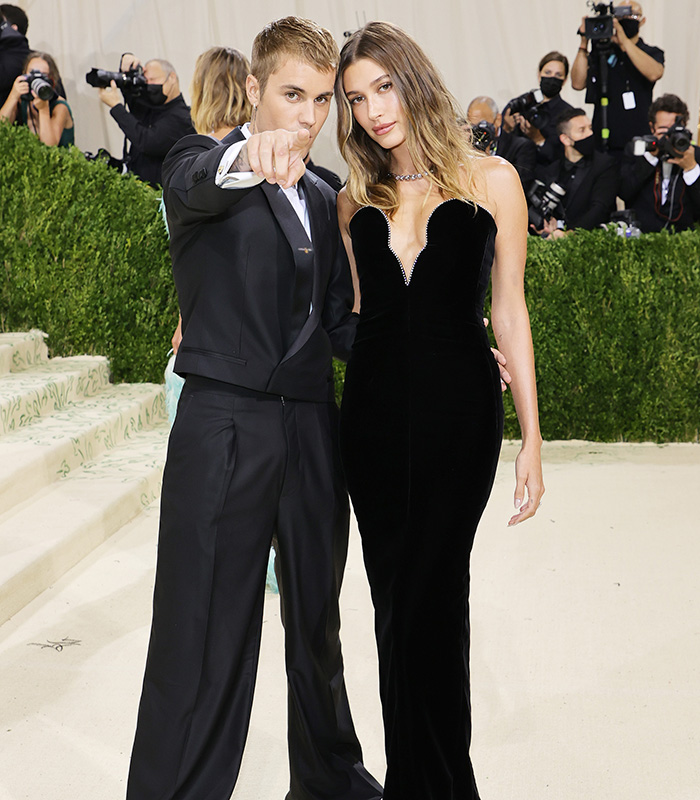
[(346, 208)]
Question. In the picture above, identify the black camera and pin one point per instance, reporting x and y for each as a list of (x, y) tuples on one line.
[(671, 144), (133, 80), (600, 28), (40, 83), (483, 135), (528, 104), (542, 200)]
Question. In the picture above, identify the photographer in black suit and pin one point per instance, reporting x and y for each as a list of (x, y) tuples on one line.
[(156, 117), (539, 123), (662, 185), (589, 178), (520, 151), (632, 67)]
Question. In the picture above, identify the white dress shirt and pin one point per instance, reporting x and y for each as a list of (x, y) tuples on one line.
[(689, 177), (245, 180)]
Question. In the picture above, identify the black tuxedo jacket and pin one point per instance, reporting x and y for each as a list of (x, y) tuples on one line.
[(262, 306), (591, 188), (641, 191)]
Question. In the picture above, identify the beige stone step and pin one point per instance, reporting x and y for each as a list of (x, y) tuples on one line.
[(35, 455), (45, 387), (43, 537), (21, 350)]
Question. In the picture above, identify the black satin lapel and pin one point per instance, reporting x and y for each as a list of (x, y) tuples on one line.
[(287, 218)]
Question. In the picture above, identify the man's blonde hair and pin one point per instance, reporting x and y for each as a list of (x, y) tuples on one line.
[(293, 37)]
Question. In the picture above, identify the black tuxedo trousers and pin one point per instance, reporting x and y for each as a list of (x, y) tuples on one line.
[(245, 468)]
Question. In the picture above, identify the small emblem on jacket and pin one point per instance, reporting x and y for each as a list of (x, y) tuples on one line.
[(306, 250)]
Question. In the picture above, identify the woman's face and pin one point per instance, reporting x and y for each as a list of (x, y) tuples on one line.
[(375, 103), (553, 69), (38, 64)]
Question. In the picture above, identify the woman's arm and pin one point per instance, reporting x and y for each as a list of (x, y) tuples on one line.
[(345, 211), (511, 325), (51, 123)]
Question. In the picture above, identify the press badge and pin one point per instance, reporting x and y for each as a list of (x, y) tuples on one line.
[(628, 101)]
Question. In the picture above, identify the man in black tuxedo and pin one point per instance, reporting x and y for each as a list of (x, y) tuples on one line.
[(590, 178), (661, 187), (266, 298)]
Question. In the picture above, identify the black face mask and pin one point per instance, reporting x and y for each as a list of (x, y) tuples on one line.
[(551, 86), (630, 27), (586, 146), (153, 94)]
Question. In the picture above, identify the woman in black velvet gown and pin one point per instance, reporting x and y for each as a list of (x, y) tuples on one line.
[(427, 222)]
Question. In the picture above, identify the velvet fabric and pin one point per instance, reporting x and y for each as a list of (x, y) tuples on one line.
[(421, 428)]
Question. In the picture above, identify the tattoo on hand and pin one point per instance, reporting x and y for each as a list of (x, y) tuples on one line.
[(240, 163)]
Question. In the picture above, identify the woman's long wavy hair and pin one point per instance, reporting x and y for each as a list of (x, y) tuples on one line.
[(218, 90), (54, 74), (435, 141)]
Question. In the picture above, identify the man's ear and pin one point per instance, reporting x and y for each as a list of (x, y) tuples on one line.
[(252, 89), (563, 136), (498, 121)]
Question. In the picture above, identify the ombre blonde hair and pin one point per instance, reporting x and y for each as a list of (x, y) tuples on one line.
[(436, 143), (218, 90)]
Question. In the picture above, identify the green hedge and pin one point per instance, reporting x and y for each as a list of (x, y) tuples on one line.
[(83, 252), (615, 322)]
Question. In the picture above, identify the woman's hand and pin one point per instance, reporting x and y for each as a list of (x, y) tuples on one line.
[(177, 336), (20, 88), (528, 475), (38, 103)]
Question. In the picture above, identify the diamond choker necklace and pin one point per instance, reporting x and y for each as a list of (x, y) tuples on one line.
[(416, 176)]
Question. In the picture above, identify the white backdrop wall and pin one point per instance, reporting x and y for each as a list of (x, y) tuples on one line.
[(481, 46)]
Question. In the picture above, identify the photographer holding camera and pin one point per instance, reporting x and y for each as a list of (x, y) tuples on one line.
[(157, 115), (485, 121), (35, 102), (662, 182), (588, 178), (534, 114), (622, 60), (14, 51)]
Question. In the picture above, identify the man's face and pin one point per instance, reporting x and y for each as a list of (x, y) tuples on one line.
[(297, 97), (579, 128), (481, 112), (635, 11), (154, 74), (662, 122)]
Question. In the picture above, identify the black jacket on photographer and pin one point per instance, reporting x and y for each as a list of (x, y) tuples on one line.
[(623, 77), (675, 205), (152, 130), (521, 152), (550, 151), (591, 186), (14, 50)]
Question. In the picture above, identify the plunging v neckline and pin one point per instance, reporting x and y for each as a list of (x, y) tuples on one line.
[(407, 276)]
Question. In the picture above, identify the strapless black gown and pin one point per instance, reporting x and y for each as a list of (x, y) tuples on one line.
[(421, 429)]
